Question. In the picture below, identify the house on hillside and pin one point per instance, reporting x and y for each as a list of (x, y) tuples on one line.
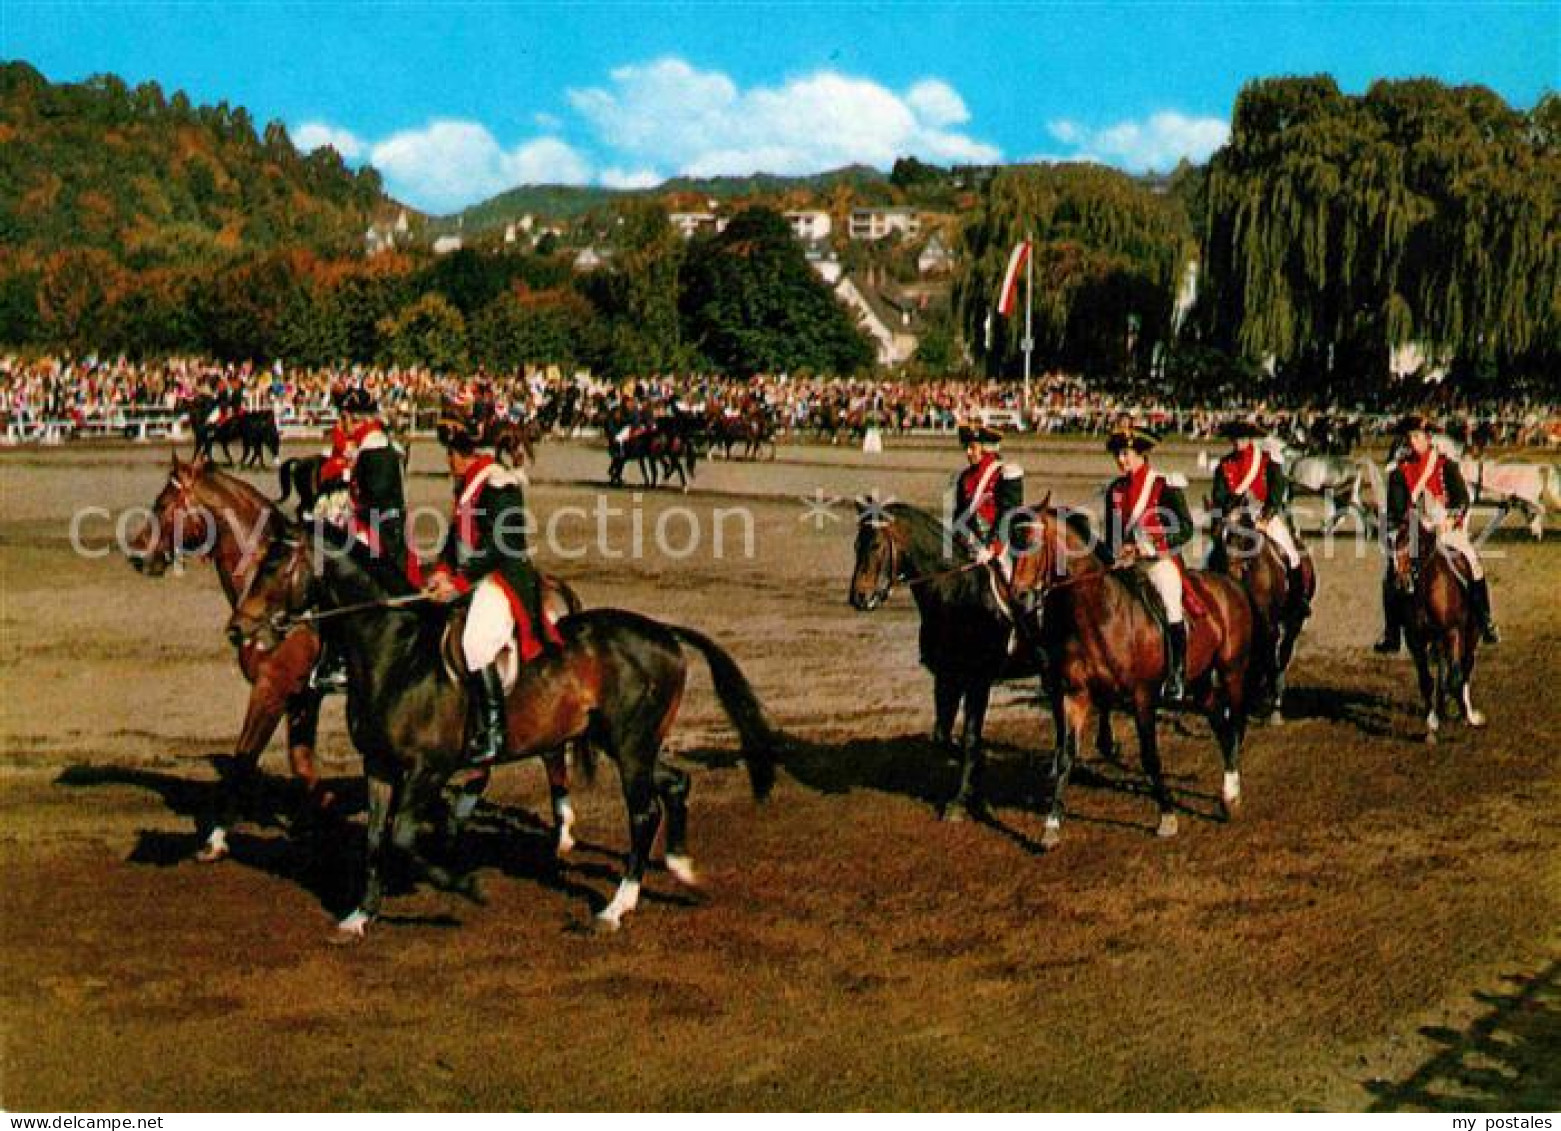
[(444, 245), (822, 259), (893, 323), (935, 258), (810, 225), (688, 223), (590, 258), (876, 223)]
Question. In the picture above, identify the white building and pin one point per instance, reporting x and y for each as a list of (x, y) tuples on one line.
[(935, 258), (876, 223), (687, 223), (889, 326), (444, 245), (810, 225)]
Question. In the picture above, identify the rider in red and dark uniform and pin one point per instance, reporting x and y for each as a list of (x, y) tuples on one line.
[(1432, 484), (1147, 523), (1250, 477), (986, 493)]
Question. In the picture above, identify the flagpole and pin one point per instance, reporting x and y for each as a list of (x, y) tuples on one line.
[(1029, 337)]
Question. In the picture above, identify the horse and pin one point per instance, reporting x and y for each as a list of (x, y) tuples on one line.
[(256, 430), (617, 684), (1432, 605), (514, 442), (1244, 553), (1346, 484), (204, 511), (1102, 646), (660, 451), (1523, 487), (300, 475), (964, 636)]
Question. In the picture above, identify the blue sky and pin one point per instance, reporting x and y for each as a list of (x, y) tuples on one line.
[(456, 101)]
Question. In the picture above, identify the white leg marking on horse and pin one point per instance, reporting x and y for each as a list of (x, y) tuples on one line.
[(1168, 825), (682, 869), (355, 924), (215, 848), (1476, 718), (564, 814), (626, 900), (1232, 787), (465, 806)]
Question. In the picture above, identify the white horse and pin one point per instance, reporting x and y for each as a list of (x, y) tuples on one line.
[(1523, 487), (1344, 483)]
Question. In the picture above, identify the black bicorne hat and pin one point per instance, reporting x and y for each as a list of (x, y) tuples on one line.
[(457, 434), (977, 433), (1131, 436)]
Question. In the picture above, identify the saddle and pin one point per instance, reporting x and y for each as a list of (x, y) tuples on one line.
[(1196, 604)]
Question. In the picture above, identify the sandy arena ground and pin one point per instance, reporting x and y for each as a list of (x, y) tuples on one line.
[(1379, 928)]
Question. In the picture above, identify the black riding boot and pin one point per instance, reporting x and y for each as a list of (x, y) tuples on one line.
[(1392, 634), (1297, 583), (488, 731), (1175, 689), (1480, 593), (329, 676)]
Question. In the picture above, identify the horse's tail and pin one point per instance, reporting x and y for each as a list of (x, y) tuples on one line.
[(284, 475), (742, 707)]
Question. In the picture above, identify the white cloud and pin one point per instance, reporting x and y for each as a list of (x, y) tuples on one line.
[(668, 114), (626, 179), (937, 103), (312, 135), (1156, 143), (448, 164)]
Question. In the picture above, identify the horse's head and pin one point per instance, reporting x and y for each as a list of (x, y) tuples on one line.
[(282, 589), (178, 521), (1046, 548), (878, 556), (1410, 545)]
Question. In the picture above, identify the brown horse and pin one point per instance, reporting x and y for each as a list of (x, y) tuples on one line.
[(1248, 556), (203, 511), (617, 684), (1102, 647), (1439, 621)]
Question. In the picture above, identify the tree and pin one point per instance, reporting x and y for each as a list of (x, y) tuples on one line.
[(429, 332), (751, 304), (1107, 254)]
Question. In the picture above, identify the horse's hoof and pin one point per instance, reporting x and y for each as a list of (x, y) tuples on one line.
[(606, 925), (566, 845), (1051, 836), (682, 870), (215, 848), (353, 929), (955, 813), (1168, 826), (1277, 719), (1476, 718)]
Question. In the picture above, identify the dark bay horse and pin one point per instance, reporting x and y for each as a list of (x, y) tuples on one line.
[(617, 684), (1101, 647), (964, 636), (203, 511), (1251, 558), (1439, 622)]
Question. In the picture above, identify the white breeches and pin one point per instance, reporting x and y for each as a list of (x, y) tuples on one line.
[(1279, 530), (1458, 539), (1167, 581), (489, 625)]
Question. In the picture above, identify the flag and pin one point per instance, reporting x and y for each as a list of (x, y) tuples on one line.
[(1016, 261)]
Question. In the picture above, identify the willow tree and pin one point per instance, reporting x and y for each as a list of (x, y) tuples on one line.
[(1107, 252), (1340, 227)]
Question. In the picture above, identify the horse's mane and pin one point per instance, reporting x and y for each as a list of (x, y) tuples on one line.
[(233, 485)]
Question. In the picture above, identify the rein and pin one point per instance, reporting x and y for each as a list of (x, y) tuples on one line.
[(362, 606)]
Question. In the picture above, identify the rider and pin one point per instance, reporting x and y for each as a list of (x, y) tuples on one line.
[(1433, 485), (1147, 521), (1250, 477), (986, 493), (485, 554), (374, 476)]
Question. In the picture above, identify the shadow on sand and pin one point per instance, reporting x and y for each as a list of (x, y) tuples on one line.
[(1507, 1060), (323, 853)]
